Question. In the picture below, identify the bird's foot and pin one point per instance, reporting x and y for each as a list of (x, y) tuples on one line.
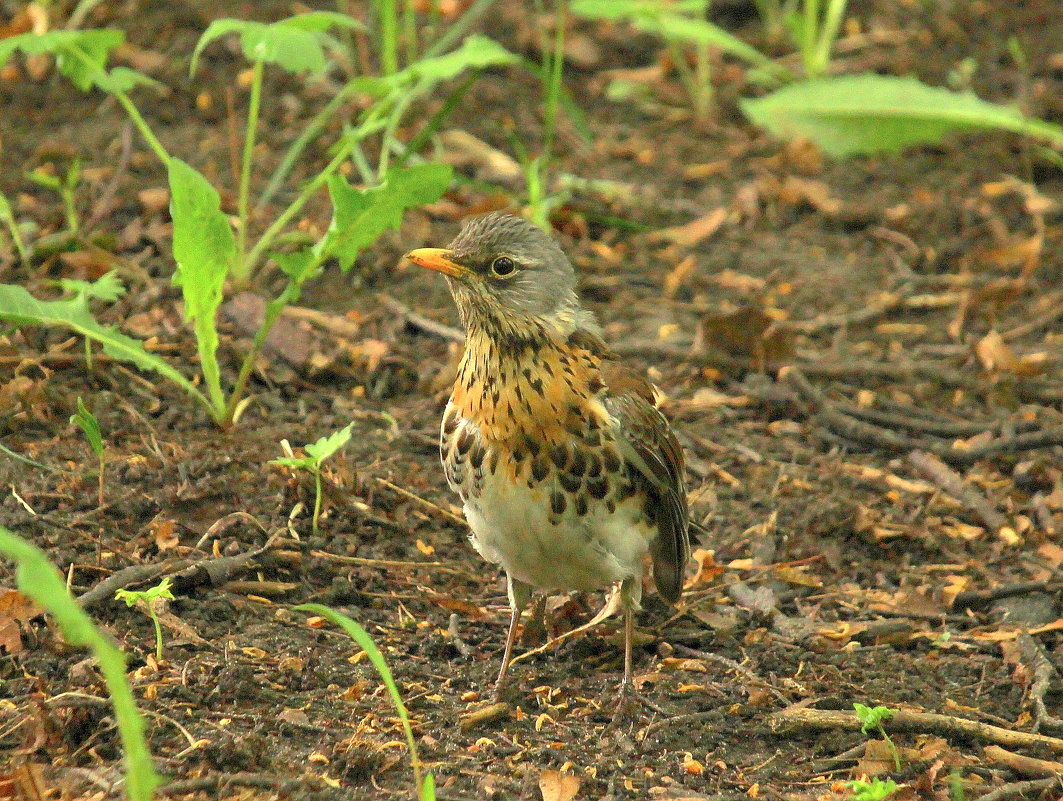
[(626, 709)]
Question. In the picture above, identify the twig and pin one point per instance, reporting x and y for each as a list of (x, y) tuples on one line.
[(460, 644), (1022, 764), (730, 664), (420, 322), (798, 717), (952, 482), (1041, 672), (220, 781), (485, 714), (979, 599), (1017, 789), (439, 510)]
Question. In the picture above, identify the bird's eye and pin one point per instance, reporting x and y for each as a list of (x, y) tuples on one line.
[(503, 266)]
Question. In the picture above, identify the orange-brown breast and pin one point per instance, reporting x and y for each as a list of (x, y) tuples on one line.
[(542, 390)]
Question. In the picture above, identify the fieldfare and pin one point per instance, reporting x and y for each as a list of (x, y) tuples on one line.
[(567, 471)]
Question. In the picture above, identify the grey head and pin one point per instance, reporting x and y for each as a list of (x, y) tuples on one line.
[(504, 270)]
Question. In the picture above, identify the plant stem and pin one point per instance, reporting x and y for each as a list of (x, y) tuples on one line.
[(317, 498), (808, 38), (409, 31), (296, 205), (101, 479), (703, 80), (158, 631), (389, 34), (239, 271), (126, 103), (67, 194), (828, 32), (434, 124)]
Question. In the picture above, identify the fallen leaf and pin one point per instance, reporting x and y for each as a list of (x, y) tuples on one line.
[(707, 570), (558, 786), (694, 231)]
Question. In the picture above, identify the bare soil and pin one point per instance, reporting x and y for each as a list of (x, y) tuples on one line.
[(919, 295)]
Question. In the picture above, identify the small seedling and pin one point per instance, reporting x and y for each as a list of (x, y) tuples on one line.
[(88, 423), (316, 454), (64, 187), (151, 597), (425, 783), (7, 217), (40, 580), (872, 790), (871, 719)]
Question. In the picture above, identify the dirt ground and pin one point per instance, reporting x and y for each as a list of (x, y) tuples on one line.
[(916, 300)]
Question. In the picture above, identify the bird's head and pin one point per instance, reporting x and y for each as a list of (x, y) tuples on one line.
[(508, 276)]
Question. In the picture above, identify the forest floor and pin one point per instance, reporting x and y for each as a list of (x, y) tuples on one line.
[(854, 355)]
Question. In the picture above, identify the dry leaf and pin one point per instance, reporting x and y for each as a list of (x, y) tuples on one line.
[(558, 786), (693, 232), (677, 275)]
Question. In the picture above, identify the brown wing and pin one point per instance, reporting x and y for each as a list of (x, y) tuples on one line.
[(651, 450)]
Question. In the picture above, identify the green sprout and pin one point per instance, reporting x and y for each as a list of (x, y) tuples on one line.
[(316, 454), (7, 216), (64, 187), (88, 423), (873, 790), (871, 719), (425, 783), (40, 580), (150, 598)]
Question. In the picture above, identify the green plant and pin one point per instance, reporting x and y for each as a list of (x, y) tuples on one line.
[(88, 423), (7, 216), (425, 783), (64, 187), (150, 598), (39, 579), (316, 454), (682, 24), (869, 113), (873, 790), (871, 719), (814, 30)]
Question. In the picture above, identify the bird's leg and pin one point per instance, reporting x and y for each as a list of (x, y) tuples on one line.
[(519, 595), (630, 600)]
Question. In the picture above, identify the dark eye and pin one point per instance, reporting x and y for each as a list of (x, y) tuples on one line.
[(503, 266)]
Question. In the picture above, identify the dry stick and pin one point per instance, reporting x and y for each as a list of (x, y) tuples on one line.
[(908, 418), (799, 717), (1022, 764), (952, 482), (420, 322), (439, 510), (1020, 789), (842, 425), (979, 599), (1041, 670)]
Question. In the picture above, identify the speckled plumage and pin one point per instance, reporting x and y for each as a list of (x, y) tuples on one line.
[(567, 472)]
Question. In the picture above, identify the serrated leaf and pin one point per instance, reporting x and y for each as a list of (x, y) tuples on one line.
[(476, 52), (108, 287), (326, 446), (295, 44), (20, 307), (299, 266), (204, 248), (94, 46), (360, 216), (871, 113)]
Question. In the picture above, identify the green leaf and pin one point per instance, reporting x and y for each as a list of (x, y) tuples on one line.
[(20, 307), (630, 9), (869, 113), (204, 248), (91, 426), (326, 446), (299, 266), (295, 44), (40, 580), (701, 31), (79, 55), (7, 215), (872, 717), (160, 590), (124, 79), (355, 631), (476, 52), (360, 216), (108, 287)]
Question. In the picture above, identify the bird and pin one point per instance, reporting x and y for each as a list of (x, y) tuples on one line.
[(567, 471)]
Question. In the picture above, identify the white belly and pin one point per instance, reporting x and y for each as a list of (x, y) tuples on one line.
[(511, 527)]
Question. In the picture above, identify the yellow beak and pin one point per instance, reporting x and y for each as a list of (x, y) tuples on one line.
[(438, 259)]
